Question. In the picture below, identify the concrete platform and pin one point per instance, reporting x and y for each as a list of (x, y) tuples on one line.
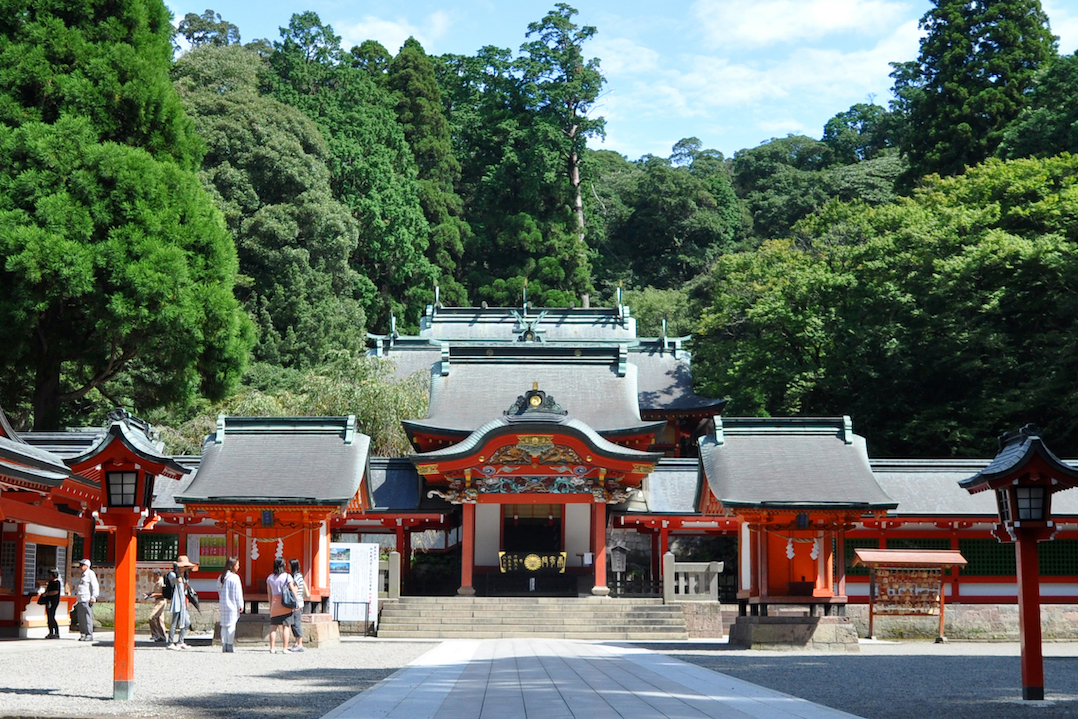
[(558, 679)]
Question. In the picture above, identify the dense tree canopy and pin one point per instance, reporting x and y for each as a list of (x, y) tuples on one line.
[(937, 322), (117, 269), (977, 63)]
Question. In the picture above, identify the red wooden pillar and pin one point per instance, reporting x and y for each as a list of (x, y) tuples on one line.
[(1029, 616), (123, 671), (467, 549), (598, 525)]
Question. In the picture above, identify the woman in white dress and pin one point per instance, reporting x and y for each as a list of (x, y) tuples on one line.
[(231, 603)]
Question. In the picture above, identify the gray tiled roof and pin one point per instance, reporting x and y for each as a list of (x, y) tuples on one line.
[(672, 487), (536, 422), (501, 324), (135, 441), (930, 487), (790, 462), (395, 486), (664, 381), (474, 393), (284, 460)]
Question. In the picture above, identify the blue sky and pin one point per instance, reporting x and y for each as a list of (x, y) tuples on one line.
[(733, 73)]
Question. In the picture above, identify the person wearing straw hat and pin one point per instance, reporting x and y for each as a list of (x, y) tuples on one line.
[(177, 581)]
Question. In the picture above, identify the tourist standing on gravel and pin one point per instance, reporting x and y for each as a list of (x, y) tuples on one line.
[(176, 585), (52, 600), (157, 616), (280, 613), (86, 592), (230, 592), (301, 596)]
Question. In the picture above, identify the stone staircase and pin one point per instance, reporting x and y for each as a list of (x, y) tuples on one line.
[(549, 617)]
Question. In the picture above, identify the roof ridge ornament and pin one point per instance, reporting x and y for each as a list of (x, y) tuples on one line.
[(535, 400)]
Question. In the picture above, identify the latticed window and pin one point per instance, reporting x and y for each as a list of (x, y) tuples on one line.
[(77, 546), (918, 543), (987, 558), (99, 550), (158, 547), (1058, 557), (852, 544)]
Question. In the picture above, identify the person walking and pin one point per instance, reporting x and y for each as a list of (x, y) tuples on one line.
[(280, 613), (176, 584), (86, 592), (157, 616), (52, 601), (230, 592), (302, 595)]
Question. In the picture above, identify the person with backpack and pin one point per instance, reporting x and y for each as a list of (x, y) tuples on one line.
[(283, 595), (302, 594), (160, 601)]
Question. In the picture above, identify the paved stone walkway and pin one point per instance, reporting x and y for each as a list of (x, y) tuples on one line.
[(555, 679)]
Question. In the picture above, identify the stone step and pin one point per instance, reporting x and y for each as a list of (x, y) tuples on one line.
[(634, 635), (552, 617)]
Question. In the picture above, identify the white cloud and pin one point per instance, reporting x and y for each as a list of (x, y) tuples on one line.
[(769, 22), (393, 33), (1064, 23), (620, 56)]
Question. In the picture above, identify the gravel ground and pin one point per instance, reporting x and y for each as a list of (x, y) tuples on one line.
[(68, 678), (900, 680)]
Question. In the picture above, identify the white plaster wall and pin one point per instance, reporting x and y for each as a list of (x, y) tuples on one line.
[(46, 531), (488, 534), (577, 519)]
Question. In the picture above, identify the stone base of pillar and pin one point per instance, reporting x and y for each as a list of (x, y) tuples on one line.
[(600, 591), (466, 591)]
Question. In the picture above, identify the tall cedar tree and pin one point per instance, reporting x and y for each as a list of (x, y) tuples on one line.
[(971, 80), (117, 269), (565, 87), (422, 117)]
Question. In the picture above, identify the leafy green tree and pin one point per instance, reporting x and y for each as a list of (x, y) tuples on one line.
[(267, 165), (117, 270), (1049, 126), (422, 117), (107, 61), (971, 80), (209, 28), (860, 133), (565, 87), (345, 384), (371, 56), (936, 322), (371, 165)]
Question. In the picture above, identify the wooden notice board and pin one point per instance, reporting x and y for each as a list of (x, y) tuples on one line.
[(905, 582)]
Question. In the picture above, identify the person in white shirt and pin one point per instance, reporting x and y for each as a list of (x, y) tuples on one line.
[(86, 592), (231, 603)]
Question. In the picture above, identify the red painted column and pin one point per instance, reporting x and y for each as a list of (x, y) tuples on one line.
[(123, 672), (1029, 616), (598, 526), (467, 549)]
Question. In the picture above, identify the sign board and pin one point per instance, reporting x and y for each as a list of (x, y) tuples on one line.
[(353, 581)]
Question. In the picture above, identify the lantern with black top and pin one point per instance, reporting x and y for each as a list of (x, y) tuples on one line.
[(1023, 476)]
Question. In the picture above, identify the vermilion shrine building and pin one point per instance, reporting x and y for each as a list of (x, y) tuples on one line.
[(551, 436)]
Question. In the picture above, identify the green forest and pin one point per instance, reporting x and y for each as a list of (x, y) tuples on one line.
[(217, 228)]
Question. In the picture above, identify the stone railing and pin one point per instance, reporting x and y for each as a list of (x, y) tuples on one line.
[(690, 581), (389, 577)]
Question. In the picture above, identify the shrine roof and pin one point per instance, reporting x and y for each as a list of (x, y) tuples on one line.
[(472, 392), (280, 460), (507, 323), (1016, 449), (165, 490), (133, 434), (395, 486), (797, 463), (535, 422), (929, 488), (664, 381), (34, 474), (15, 449), (671, 489)]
